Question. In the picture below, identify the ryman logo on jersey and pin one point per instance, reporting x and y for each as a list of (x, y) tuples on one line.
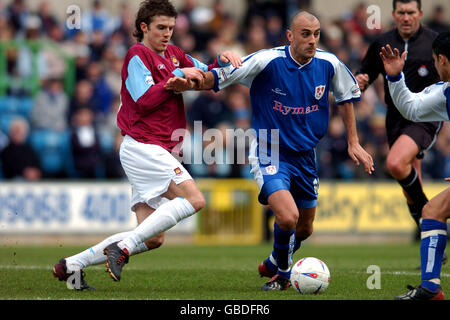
[(320, 90), (285, 110)]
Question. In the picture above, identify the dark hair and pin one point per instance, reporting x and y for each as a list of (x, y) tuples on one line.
[(441, 45), (419, 3), (150, 8)]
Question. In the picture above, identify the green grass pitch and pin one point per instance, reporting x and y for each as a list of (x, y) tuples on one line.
[(211, 273)]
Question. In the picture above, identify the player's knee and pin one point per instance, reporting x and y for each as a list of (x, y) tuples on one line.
[(432, 212), (197, 201), (395, 167), (304, 232), (155, 242), (287, 221)]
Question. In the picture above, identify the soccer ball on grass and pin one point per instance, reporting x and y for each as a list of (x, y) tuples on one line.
[(310, 276)]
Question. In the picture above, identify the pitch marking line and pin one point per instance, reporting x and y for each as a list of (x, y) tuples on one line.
[(101, 267)]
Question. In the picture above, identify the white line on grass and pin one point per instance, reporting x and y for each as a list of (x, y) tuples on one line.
[(102, 267)]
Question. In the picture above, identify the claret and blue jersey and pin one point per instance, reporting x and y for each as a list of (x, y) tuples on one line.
[(291, 97)]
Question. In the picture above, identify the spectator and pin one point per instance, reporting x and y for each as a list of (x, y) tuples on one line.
[(103, 96), (85, 143), (97, 45), (98, 18), (113, 168), (17, 13), (51, 107), (82, 98), (48, 20), (275, 30), (211, 109), (437, 21), (19, 161)]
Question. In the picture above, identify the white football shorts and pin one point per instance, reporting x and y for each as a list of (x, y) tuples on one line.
[(150, 169)]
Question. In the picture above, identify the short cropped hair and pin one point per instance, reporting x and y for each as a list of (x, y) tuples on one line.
[(419, 3), (441, 45), (149, 9)]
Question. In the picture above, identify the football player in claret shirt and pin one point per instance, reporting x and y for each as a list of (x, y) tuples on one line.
[(431, 104), (289, 89), (163, 192)]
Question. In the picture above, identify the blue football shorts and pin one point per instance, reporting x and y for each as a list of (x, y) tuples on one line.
[(295, 172)]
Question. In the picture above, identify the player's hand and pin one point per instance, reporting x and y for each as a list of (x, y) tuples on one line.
[(178, 84), (363, 80), (392, 60), (195, 75), (357, 153), (230, 56), (447, 179)]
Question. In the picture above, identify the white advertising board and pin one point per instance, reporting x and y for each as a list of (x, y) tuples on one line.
[(70, 207)]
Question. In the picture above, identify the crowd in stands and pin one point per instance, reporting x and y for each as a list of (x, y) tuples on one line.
[(67, 129)]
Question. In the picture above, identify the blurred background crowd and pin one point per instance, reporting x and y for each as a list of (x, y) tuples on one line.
[(59, 88)]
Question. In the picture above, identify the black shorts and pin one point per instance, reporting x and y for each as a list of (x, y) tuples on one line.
[(424, 134)]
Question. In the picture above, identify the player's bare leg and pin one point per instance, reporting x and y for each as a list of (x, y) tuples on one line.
[(286, 218), (403, 165)]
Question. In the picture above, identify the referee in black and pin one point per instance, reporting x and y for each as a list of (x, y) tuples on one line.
[(407, 140)]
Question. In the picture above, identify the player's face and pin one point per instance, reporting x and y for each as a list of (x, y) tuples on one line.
[(158, 33), (304, 37), (407, 18), (441, 64)]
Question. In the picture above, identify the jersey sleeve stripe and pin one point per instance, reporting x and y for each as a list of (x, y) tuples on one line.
[(198, 64), (139, 78)]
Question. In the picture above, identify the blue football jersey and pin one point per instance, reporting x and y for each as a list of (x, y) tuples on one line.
[(291, 97)]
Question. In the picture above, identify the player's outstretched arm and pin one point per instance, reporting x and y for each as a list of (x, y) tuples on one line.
[(179, 84), (392, 60), (355, 151)]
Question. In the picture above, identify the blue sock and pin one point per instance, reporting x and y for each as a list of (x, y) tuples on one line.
[(283, 248), (432, 247), (271, 261)]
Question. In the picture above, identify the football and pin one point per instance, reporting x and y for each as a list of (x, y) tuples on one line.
[(310, 276)]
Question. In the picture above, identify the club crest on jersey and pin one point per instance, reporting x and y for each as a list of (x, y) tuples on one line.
[(423, 71), (271, 170), (175, 61), (320, 90), (177, 171)]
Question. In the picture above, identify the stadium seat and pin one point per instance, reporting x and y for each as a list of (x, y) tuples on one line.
[(24, 106), (9, 105), (52, 149), (106, 140), (5, 121)]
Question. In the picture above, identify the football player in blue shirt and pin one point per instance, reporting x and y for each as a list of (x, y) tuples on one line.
[(289, 88), (432, 104)]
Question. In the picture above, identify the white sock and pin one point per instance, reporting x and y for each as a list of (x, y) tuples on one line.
[(162, 219), (94, 255)]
